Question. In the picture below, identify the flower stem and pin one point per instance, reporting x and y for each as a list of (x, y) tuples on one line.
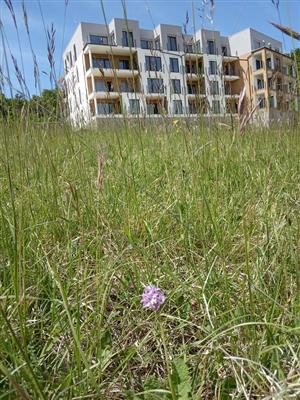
[(168, 366)]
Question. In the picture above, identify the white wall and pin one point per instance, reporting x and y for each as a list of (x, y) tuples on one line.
[(249, 39), (240, 43), (259, 39)]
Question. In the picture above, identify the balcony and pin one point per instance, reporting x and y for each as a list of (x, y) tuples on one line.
[(231, 76), (104, 95), (227, 58), (156, 91), (128, 43), (108, 49), (231, 93), (192, 96), (286, 70), (195, 90), (193, 73), (192, 51), (104, 70)]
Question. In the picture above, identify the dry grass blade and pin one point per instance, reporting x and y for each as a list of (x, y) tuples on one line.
[(288, 31), (242, 111), (276, 3), (51, 50), (20, 77), (11, 10), (242, 102), (101, 165), (247, 119), (244, 115), (36, 71)]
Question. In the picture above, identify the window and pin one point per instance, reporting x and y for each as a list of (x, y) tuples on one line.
[(126, 87), (105, 108), (127, 39), (177, 105), (192, 108), (146, 44), (153, 108), (214, 86), (191, 68), (258, 64), (101, 63), (215, 107), (269, 63), (211, 47), (272, 102), (230, 70), (103, 86), (191, 88), (260, 84), (175, 86), (77, 75), (277, 64), (224, 51), (124, 64), (188, 48), (70, 59), (79, 95), (96, 39), (174, 67), (153, 63), (134, 106), (74, 51), (66, 66), (100, 86), (213, 69), (172, 43), (155, 85)]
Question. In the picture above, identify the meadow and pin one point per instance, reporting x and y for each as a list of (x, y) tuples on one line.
[(89, 218)]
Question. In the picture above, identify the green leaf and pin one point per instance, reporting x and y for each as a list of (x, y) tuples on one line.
[(181, 379)]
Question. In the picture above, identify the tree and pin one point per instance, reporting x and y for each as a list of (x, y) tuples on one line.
[(46, 107)]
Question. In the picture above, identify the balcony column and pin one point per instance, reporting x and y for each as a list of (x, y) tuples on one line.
[(95, 105), (183, 85), (90, 58), (265, 75)]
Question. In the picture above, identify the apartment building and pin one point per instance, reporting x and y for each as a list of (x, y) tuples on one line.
[(121, 69)]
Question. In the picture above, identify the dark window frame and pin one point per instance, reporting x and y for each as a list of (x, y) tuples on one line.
[(176, 86), (153, 63), (174, 64), (172, 44)]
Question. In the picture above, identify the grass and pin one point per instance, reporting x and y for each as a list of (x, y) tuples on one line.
[(210, 217)]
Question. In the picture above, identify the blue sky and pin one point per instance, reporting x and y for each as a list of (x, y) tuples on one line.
[(229, 16)]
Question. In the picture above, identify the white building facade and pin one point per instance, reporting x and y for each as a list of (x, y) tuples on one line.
[(120, 69)]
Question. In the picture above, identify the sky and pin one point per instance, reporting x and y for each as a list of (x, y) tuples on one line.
[(227, 16)]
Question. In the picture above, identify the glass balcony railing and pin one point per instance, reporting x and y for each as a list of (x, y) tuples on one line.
[(156, 89)]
